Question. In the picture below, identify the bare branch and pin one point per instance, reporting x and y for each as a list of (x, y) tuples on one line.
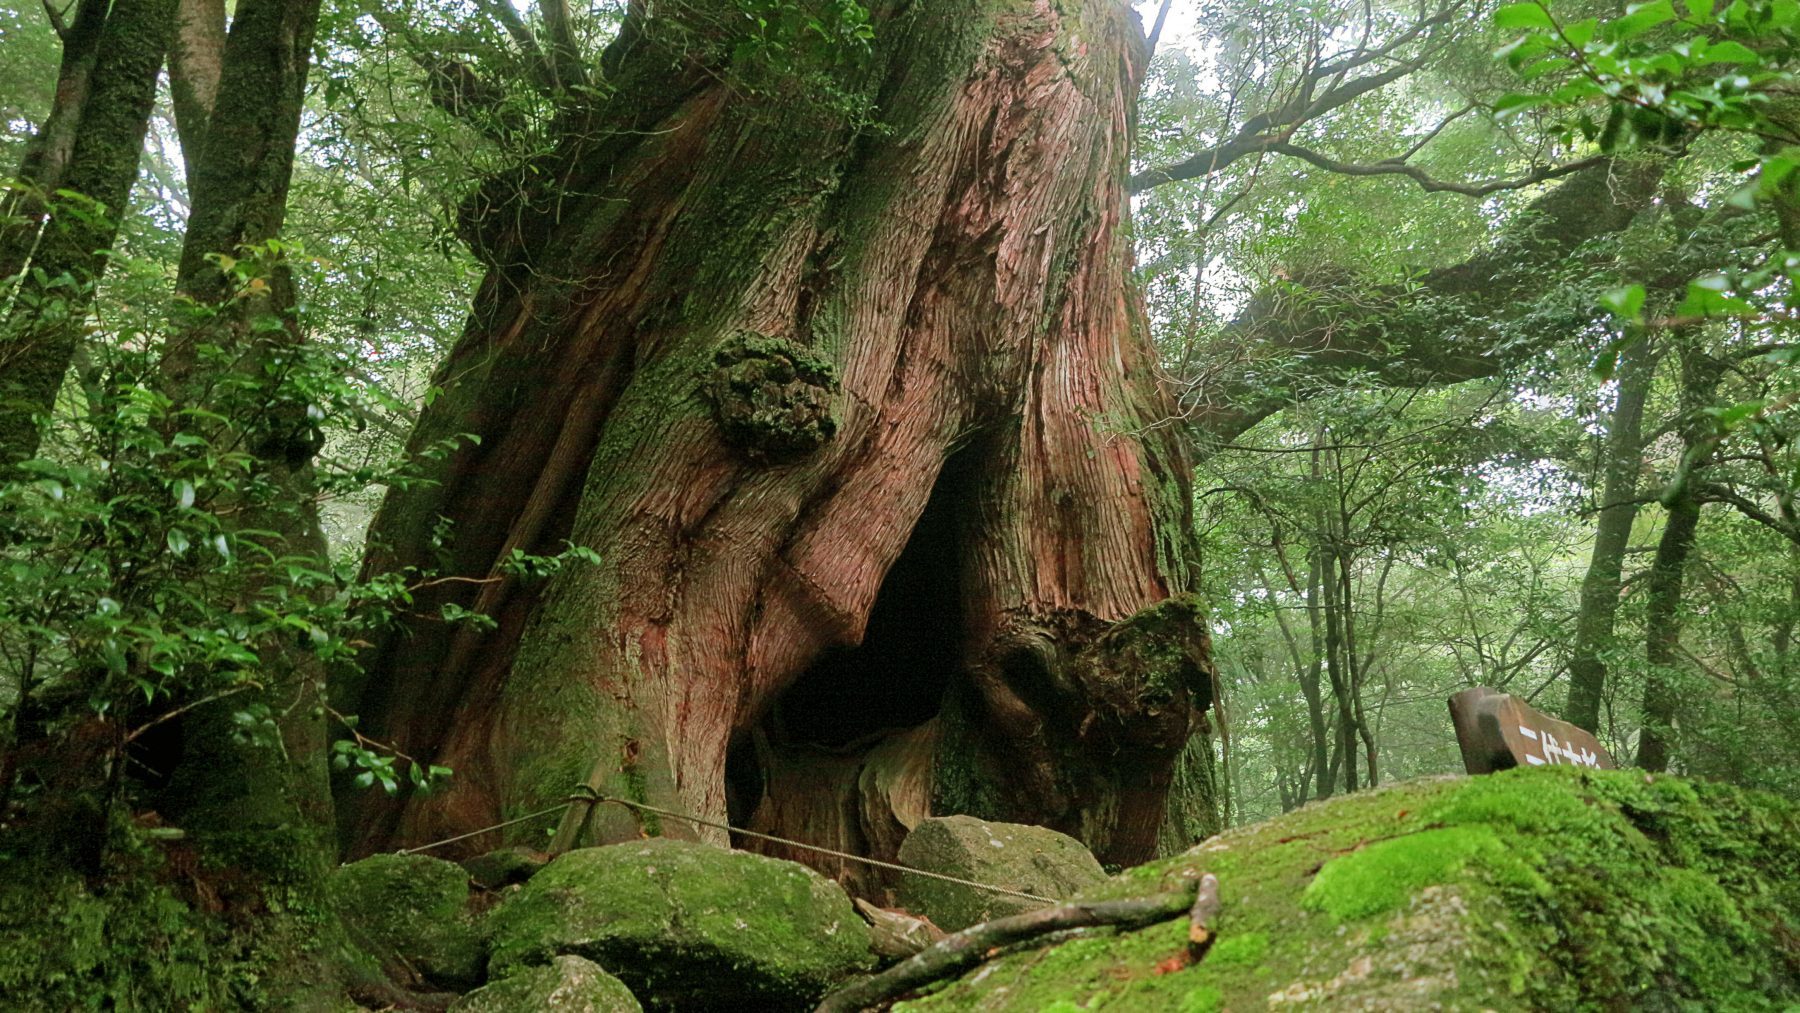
[(1429, 183), (1263, 132), (61, 27), (1162, 15), (960, 951)]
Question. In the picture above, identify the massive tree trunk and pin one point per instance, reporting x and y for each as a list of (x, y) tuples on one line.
[(856, 412)]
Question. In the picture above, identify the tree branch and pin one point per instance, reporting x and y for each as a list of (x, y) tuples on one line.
[(960, 951), (1429, 183), (565, 49), (1265, 131), (1162, 15)]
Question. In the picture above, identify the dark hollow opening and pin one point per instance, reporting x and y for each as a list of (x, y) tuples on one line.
[(896, 677)]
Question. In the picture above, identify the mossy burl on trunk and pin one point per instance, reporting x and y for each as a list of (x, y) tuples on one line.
[(945, 236)]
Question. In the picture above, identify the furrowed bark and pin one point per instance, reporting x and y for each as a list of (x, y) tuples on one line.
[(753, 353)]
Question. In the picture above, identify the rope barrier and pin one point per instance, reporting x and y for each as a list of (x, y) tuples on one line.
[(477, 833), (589, 796)]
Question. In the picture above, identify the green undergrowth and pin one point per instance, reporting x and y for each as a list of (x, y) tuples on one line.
[(1530, 889), (165, 928)]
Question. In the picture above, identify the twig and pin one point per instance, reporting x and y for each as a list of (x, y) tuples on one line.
[(959, 951), (184, 708)]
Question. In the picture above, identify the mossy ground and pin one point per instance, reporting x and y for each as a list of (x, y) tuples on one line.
[(1531, 889)]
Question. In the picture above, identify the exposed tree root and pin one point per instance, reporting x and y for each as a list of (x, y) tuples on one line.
[(960, 951)]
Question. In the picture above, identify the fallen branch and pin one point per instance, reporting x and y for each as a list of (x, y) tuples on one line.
[(1200, 918), (960, 951)]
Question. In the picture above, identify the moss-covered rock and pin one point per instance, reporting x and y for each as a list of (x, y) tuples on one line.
[(686, 925), (411, 911), (1529, 889), (568, 984), (1034, 860), (504, 867)]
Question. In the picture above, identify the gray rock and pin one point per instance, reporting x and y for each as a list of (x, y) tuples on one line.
[(687, 926), (566, 983), (1032, 859), (411, 912)]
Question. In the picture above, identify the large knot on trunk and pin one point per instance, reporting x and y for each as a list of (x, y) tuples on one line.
[(771, 397), (1143, 677)]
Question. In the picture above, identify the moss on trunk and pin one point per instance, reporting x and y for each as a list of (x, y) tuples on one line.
[(929, 237)]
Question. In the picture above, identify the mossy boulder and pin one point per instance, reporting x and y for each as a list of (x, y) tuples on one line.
[(1546, 888), (1034, 860), (411, 912), (504, 867), (568, 984), (687, 925)]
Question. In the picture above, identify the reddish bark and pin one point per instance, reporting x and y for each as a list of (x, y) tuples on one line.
[(643, 367)]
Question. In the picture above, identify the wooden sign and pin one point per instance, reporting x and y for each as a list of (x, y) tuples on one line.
[(1497, 731)]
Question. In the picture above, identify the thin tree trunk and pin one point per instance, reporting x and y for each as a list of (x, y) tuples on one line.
[(1341, 690), (1599, 603), (1353, 665), (750, 352), (46, 156), (1325, 753), (51, 303), (1700, 374), (244, 166)]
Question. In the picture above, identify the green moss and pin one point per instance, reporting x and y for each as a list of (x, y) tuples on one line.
[(1204, 999), (411, 911), (142, 936), (1248, 949), (1542, 889), (772, 398), (1384, 876), (686, 926)]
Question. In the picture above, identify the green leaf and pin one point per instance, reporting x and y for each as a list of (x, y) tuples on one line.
[(1518, 101), (1700, 10), (1728, 52), (1733, 414), (1626, 303), (1524, 15), (1640, 18), (177, 540)]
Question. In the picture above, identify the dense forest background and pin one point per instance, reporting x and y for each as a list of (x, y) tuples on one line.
[(1475, 318)]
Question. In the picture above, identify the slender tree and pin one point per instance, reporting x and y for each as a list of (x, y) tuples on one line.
[(1621, 462), (88, 149)]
